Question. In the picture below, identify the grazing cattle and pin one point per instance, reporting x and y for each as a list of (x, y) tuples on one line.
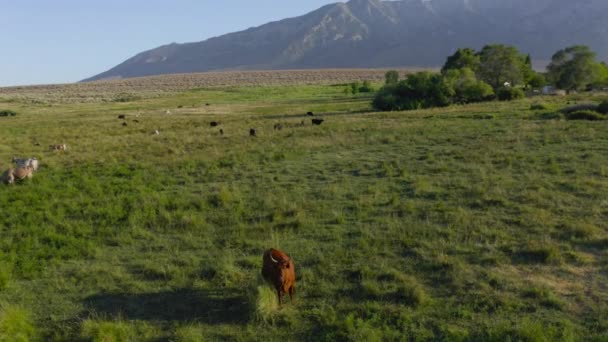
[(23, 162), (207, 104), (20, 173), (221, 131), (310, 114), (278, 126), (279, 270), (122, 116), (59, 147), (124, 124), (252, 132), (136, 121), (214, 124), (317, 121)]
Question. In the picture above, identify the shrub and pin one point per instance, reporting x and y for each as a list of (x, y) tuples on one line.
[(391, 77), (509, 94), (467, 87), (366, 87), (419, 90), (585, 115), (7, 112), (603, 107)]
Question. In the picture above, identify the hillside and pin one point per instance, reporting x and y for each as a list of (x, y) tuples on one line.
[(375, 33)]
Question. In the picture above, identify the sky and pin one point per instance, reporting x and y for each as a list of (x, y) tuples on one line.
[(63, 41)]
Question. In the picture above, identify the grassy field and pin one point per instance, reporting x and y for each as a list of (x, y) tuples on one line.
[(484, 222)]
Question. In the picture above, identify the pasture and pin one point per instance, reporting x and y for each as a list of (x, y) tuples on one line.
[(468, 223)]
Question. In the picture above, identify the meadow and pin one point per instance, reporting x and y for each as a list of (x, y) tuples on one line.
[(484, 222)]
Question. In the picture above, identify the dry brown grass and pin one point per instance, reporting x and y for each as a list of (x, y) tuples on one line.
[(154, 86)]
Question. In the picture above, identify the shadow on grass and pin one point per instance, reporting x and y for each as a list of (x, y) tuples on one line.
[(180, 305)]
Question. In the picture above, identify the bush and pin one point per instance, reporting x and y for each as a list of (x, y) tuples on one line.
[(366, 87), (391, 77), (419, 90), (7, 112), (585, 115), (509, 94), (603, 107)]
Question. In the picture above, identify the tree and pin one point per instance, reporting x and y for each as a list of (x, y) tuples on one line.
[(574, 68), (500, 64), (467, 88), (462, 58), (537, 81), (391, 77), (419, 90)]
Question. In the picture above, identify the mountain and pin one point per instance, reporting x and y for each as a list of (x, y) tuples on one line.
[(375, 33)]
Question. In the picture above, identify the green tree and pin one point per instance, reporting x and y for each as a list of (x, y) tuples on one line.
[(462, 58), (467, 88), (574, 68), (391, 77), (419, 90), (500, 64), (537, 80)]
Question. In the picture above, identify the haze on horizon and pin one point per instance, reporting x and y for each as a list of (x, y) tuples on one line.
[(64, 41)]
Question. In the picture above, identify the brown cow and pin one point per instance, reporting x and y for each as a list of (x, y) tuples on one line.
[(20, 173), (279, 270)]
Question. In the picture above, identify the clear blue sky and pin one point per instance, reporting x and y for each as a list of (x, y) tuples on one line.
[(60, 41)]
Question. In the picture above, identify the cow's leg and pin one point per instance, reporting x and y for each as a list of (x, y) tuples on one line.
[(292, 292), (280, 297)]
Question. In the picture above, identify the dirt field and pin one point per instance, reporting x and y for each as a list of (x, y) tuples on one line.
[(153, 86)]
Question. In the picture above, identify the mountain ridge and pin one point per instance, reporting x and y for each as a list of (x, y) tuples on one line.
[(376, 34)]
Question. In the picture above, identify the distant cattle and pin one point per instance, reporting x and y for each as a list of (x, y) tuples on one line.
[(221, 131), (214, 124), (124, 124), (278, 126), (207, 104), (58, 147), (317, 121), (136, 121), (280, 271), (122, 116), (310, 114), (252, 132)]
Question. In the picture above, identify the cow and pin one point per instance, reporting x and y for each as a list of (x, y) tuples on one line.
[(122, 116), (278, 126), (20, 173), (23, 162), (124, 124), (221, 131), (279, 270), (214, 124), (317, 121), (58, 147), (310, 114), (252, 132)]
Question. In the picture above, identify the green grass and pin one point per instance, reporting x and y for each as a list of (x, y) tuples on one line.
[(467, 223)]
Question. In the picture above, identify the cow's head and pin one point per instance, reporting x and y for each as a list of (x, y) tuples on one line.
[(281, 263)]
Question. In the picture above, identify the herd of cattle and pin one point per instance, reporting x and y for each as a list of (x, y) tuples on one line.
[(278, 268)]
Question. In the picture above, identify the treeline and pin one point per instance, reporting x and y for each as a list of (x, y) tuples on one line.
[(496, 72)]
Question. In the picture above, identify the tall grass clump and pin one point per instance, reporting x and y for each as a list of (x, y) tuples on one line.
[(16, 325), (266, 304)]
